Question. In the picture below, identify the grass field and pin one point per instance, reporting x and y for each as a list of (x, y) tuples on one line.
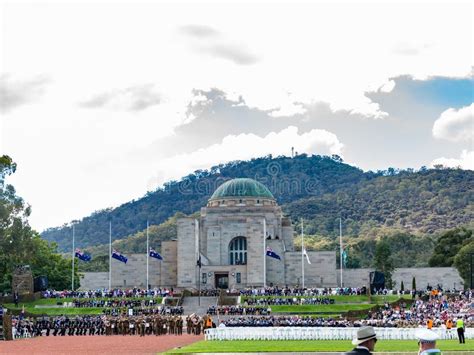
[(243, 346)]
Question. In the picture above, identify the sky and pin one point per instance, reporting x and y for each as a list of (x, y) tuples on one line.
[(101, 102)]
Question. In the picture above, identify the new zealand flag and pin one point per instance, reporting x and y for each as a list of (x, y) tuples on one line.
[(82, 256), (155, 254), (272, 254), (119, 257)]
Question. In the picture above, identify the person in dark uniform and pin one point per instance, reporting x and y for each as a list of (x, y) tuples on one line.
[(16, 299), (365, 342)]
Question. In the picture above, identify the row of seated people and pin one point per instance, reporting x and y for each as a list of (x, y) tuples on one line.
[(103, 303), (113, 293), (299, 291), (253, 301), (238, 310), (433, 312)]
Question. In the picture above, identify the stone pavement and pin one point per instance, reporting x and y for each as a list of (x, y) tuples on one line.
[(191, 304)]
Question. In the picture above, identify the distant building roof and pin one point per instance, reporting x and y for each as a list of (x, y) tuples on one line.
[(242, 187)]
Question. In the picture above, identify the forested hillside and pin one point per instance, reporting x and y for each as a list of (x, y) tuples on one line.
[(289, 179), (426, 202)]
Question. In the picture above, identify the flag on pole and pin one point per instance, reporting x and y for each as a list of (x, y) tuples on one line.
[(307, 256), (155, 254), (272, 254), (119, 257), (344, 257), (82, 256)]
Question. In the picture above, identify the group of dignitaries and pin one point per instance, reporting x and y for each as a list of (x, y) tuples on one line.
[(109, 325)]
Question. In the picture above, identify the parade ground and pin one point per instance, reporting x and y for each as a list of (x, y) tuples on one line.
[(97, 345)]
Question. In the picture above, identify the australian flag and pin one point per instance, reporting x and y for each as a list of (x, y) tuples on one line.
[(272, 254), (82, 256), (119, 257), (155, 254)]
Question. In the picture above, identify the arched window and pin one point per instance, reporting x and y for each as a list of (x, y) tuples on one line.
[(238, 251)]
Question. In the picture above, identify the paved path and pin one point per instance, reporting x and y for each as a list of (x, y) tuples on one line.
[(191, 304), (94, 345)]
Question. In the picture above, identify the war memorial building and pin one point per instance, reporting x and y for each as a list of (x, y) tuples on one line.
[(242, 219)]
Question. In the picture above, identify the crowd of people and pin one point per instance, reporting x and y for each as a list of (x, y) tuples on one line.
[(138, 312), (115, 293), (113, 303), (287, 301), (238, 310), (299, 291), (437, 311)]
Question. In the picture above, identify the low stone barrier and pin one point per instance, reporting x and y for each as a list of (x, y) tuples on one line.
[(319, 333)]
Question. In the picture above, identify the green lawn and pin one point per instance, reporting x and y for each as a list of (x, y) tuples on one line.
[(243, 346)]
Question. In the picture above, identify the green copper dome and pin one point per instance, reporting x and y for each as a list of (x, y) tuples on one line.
[(241, 187)]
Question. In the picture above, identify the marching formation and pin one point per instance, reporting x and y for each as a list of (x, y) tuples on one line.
[(106, 325)]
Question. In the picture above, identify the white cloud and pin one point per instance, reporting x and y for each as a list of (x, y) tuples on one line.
[(455, 125), (247, 146), (465, 161), (16, 91), (134, 98)]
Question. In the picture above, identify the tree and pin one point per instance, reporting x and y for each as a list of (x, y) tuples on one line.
[(413, 283), (402, 287), (462, 262), (448, 246), (19, 244), (383, 260)]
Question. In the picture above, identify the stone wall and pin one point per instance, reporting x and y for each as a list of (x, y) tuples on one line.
[(320, 273), (133, 273), (94, 280), (169, 265), (447, 277), (187, 251), (129, 275), (275, 267)]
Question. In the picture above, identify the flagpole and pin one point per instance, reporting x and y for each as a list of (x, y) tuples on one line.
[(110, 255), (73, 257), (340, 247), (264, 253), (302, 253), (147, 255)]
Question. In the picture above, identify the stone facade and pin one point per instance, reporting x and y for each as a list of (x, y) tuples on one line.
[(447, 277), (239, 226)]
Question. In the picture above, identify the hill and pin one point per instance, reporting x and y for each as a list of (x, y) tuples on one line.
[(425, 202), (289, 179)]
